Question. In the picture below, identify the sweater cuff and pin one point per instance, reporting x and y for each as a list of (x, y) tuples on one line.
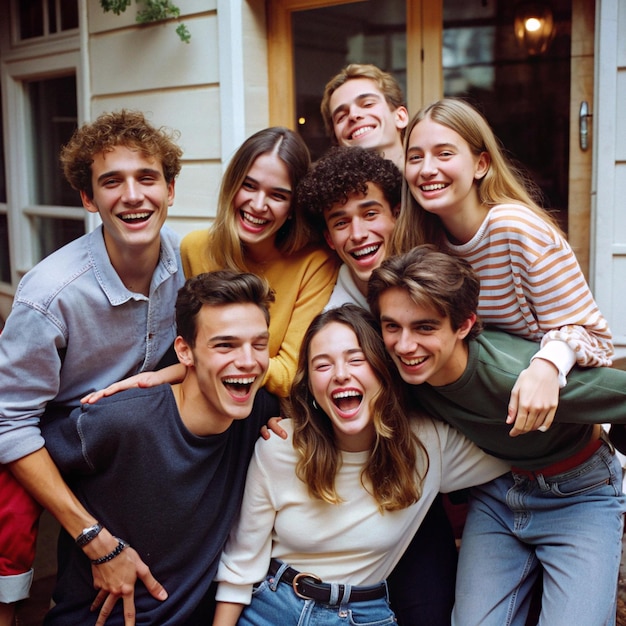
[(238, 594), (560, 355)]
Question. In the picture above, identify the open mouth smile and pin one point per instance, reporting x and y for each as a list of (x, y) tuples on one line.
[(255, 221), (433, 187), (348, 400), (366, 251), (239, 387), (414, 361), (135, 217), (361, 131)]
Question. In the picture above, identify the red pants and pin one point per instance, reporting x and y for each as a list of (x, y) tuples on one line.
[(19, 521)]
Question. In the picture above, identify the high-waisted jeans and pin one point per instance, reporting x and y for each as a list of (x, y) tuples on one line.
[(274, 602)]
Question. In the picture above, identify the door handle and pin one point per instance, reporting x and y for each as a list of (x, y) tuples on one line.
[(583, 125)]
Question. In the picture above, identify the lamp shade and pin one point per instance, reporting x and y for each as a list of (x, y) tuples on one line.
[(534, 26)]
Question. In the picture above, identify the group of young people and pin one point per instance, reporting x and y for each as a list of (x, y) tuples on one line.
[(347, 297)]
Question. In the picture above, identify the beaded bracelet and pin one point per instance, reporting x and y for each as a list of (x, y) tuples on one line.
[(111, 555)]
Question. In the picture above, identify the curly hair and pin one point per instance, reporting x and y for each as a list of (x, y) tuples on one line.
[(120, 128), (385, 82), (341, 173), (398, 462)]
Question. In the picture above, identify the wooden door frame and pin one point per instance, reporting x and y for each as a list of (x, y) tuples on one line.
[(580, 161), (424, 49)]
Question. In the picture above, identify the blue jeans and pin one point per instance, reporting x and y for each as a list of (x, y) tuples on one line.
[(570, 525), (275, 602)]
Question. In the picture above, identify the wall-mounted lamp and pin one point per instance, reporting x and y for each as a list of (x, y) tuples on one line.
[(534, 26)]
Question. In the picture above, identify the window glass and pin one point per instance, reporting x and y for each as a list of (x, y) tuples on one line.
[(54, 119), (5, 265), (50, 234), (524, 97), (31, 18), (69, 14), (327, 39), (39, 18)]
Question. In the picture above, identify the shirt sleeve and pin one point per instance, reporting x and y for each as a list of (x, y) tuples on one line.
[(313, 291), (31, 348), (566, 309), (463, 463)]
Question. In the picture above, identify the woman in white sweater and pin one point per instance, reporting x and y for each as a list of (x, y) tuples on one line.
[(328, 512)]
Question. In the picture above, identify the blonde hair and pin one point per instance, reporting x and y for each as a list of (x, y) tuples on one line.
[(227, 250), (502, 184), (391, 472)]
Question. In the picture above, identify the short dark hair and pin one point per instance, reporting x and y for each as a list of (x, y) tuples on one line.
[(120, 128), (342, 172), (216, 289), (433, 279)]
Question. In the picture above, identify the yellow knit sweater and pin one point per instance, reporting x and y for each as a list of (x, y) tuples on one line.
[(302, 283)]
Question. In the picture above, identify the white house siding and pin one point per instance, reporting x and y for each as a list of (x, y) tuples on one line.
[(184, 86), (609, 218)]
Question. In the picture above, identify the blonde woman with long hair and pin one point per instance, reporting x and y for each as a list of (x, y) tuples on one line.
[(462, 195)]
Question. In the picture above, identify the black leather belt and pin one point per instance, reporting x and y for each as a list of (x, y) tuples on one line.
[(311, 587)]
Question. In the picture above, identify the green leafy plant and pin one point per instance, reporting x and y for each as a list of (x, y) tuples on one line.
[(153, 11)]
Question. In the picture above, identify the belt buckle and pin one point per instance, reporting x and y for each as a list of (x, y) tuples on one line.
[(296, 580)]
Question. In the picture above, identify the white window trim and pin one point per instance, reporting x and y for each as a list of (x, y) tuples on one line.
[(18, 145)]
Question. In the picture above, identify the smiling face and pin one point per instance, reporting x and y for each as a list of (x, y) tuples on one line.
[(359, 231), (422, 343), (132, 197), (227, 364), (263, 204), (344, 385), (361, 117), (442, 171)]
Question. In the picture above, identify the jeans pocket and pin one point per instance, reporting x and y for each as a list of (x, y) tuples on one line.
[(375, 614), (259, 588), (595, 475)]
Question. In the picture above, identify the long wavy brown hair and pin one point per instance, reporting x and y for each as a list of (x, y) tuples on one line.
[(398, 461)]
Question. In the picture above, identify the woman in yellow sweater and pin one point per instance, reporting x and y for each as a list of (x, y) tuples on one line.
[(257, 230)]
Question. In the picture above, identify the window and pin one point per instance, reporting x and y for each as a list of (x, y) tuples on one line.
[(327, 39), (41, 62), (53, 118), (42, 18)]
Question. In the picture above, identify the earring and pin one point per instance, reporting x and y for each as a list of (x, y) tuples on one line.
[(315, 404)]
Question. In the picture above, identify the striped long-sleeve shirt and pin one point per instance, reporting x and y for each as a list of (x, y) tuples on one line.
[(531, 284)]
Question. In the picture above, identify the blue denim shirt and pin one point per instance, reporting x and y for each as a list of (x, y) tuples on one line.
[(74, 328)]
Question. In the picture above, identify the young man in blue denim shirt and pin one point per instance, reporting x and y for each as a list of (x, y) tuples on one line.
[(97, 310)]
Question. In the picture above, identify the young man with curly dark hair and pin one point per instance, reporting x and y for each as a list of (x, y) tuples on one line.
[(95, 311), (352, 196)]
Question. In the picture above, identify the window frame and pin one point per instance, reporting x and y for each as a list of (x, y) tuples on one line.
[(17, 70), (424, 51)]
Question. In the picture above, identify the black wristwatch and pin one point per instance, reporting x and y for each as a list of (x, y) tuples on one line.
[(88, 534)]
